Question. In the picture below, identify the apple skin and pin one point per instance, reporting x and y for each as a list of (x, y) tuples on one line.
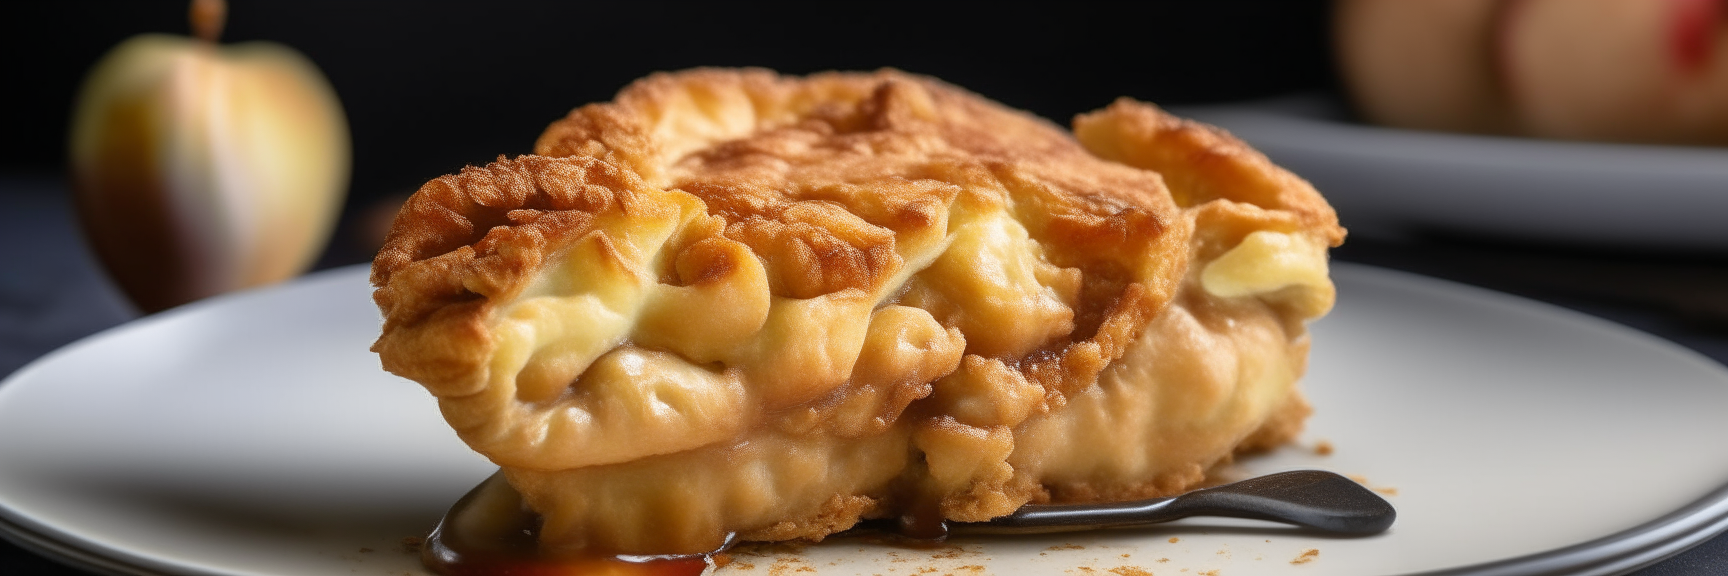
[(1618, 70), (1646, 71), (1423, 64), (200, 169)]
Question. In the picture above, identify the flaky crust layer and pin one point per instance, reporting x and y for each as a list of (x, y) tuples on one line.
[(793, 302)]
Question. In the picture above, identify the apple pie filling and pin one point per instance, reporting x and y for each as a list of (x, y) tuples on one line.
[(733, 305)]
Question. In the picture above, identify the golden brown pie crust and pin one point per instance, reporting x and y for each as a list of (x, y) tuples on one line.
[(842, 296)]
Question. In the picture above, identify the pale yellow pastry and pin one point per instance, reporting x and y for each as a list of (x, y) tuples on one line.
[(731, 302)]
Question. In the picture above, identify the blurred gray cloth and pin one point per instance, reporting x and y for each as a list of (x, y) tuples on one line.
[(51, 290)]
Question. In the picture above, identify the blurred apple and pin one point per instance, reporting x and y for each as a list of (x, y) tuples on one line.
[(1426, 64), (201, 168), (1616, 70), (1627, 70)]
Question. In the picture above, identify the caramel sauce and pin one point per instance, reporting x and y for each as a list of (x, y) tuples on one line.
[(920, 514), (490, 533), (922, 521)]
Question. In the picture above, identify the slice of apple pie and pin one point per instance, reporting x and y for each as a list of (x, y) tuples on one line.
[(736, 304)]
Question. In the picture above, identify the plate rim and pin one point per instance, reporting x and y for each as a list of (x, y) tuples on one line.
[(1321, 108), (82, 553), (1621, 552), (1618, 553), (68, 553), (1399, 183)]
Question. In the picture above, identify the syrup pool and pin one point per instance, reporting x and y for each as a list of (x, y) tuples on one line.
[(490, 533)]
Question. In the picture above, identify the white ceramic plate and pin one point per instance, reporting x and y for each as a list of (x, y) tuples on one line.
[(1390, 183), (255, 435)]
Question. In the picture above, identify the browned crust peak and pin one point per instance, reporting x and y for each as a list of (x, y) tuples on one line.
[(466, 241), (825, 178)]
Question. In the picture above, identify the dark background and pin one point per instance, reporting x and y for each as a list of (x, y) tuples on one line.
[(431, 86)]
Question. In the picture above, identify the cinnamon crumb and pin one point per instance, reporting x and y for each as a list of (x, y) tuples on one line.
[(412, 544), (1323, 448), (1213, 572), (1363, 480), (1124, 555), (1174, 539), (1307, 556), (721, 559), (1066, 547), (1130, 571), (785, 566), (1163, 559)]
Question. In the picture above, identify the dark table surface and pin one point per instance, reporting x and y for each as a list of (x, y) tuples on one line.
[(52, 293)]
